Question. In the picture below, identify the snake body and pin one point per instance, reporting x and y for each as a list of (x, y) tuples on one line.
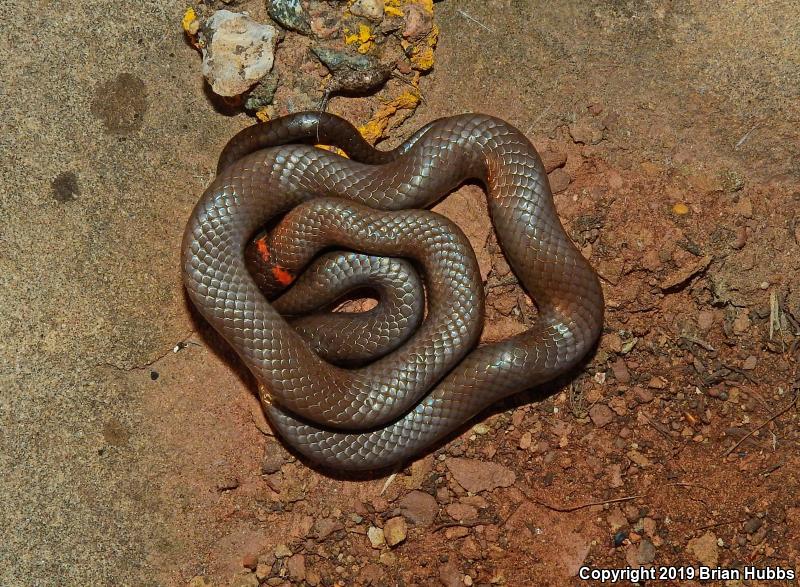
[(389, 411)]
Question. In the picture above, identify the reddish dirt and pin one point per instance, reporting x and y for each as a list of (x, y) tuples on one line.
[(676, 444)]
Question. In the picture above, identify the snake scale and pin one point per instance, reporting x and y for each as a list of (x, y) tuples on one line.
[(387, 411)]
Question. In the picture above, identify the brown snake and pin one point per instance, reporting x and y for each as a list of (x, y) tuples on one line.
[(388, 411)]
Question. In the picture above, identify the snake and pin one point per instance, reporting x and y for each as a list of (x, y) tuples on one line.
[(389, 411)]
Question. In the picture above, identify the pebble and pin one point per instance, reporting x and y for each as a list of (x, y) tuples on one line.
[(274, 458), (461, 511), (237, 52), (227, 483), (553, 160), (419, 22), (753, 525), (750, 363), (705, 549), (705, 320), (250, 561), (525, 441), (741, 323), (456, 532), (601, 415), (646, 552), (450, 576), (289, 14), (620, 370), (481, 429), (744, 207), (324, 527), (282, 551), (296, 566), (248, 580), (376, 536), (263, 571), (395, 530), (371, 9), (419, 508), (559, 180), (586, 133), (741, 238), (657, 383), (642, 395), (476, 476)]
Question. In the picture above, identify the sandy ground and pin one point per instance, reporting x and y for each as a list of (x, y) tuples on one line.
[(131, 459)]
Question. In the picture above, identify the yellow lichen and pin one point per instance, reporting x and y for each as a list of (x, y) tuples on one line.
[(333, 149), (390, 115), (363, 37), (421, 53), (263, 114), (190, 22), (680, 209)]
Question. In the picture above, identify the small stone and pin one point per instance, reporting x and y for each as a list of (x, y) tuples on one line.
[(586, 133), (705, 549), (642, 395), (741, 323), (274, 458), (657, 383), (476, 476), (525, 441), (741, 238), (237, 52), (376, 536), (559, 180), (419, 507), (371, 9), (250, 561), (449, 575), (620, 370), (749, 363), (553, 160), (456, 532), (649, 526), (601, 415), (419, 22), (248, 580), (595, 108), (460, 512), (646, 552), (616, 519), (395, 530), (639, 458), (752, 525), (705, 320), (744, 207), (263, 571), (296, 566), (282, 551), (481, 429), (227, 483), (289, 14)]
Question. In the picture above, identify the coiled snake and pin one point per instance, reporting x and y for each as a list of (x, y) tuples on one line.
[(385, 412)]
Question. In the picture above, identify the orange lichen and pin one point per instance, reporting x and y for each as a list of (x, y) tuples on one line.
[(390, 115), (363, 38)]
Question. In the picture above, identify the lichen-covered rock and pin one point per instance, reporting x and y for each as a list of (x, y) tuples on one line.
[(371, 9), (237, 51), (289, 14)]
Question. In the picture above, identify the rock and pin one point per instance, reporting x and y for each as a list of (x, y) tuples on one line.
[(227, 483), (296, 566), (419, 507), (324, 527), (552, 160), (741, 238), (525, 441), (282, 551), (639, 458), (749, 363), (586, 133), (741, 323), (263, 571), (250, 561), (657, 383), (705, 549), (601, 415), (456, 532), (248, 580), (753, 525), (371, 9), (642, 395), (461, 512), (352, 72), (289, 14), (237, 51), (376, 536), (274, 458), (476, 476), (372, 574), (620, 370), (481, 429), (450, 576), (684, 275), (419, 22), (744, 207), (616, 519), (395, 530), (705, 320), (559, 180)]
